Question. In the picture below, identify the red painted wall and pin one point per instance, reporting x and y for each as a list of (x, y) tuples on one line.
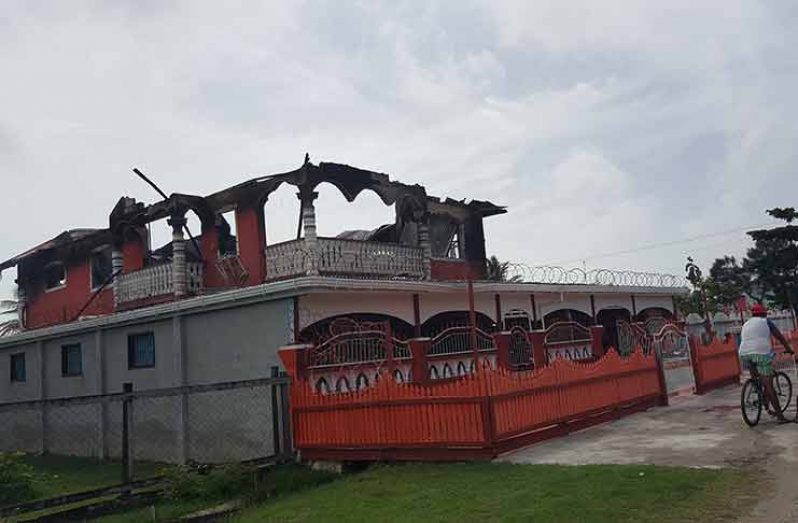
[(252, 243), (56, 306), (134, 252), (209, 244), (456, 270)]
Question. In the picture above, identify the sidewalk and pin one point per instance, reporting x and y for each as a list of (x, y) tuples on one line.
[(694, 431)]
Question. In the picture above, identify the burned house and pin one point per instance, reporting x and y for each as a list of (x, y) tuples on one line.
[(101, 307)]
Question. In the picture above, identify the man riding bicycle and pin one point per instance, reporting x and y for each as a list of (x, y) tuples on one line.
[(757, 353)]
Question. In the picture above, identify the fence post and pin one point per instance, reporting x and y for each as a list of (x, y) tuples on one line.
[(695, 362), (285, 418), (663, 385), (127, 416), (276, 440), (418, 349), (538, 340), (502, 341), (597, 340)]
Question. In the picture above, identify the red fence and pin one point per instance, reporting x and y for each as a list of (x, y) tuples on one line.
[(718, 364), (714, 365), (477, 416)]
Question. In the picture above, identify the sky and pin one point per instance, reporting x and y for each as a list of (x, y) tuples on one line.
[(606, 128)]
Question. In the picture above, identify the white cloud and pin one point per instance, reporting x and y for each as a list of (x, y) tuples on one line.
[(602, 125)]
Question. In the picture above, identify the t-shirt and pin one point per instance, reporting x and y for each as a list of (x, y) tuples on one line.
[(755, 336)]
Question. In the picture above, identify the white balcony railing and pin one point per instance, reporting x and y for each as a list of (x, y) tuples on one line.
[(345, 259), (154, 281)]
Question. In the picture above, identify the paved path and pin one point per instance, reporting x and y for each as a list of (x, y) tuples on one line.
[(695, 431)]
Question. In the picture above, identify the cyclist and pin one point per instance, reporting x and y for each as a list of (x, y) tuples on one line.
[(757, 353)]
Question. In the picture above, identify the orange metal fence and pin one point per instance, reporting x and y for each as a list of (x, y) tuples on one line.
[(715, 364), (477, 416)]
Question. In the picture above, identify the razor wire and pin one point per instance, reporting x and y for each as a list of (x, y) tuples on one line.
[(577, 276)]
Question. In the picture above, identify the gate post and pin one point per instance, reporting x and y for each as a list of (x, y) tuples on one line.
[(597, 340), (418, 369), (294, 358), (695, 362), (502, 341), (663, 385), (538, 340)]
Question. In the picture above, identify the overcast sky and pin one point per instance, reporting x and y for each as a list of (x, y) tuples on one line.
[(602, 126)]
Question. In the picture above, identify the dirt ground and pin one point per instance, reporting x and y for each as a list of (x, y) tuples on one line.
[(694, 431)]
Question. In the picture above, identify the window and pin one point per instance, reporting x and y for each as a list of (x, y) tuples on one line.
[(54, 275), (101, 269), (228, 242), (140, 350), (18, 367), (71, 360), (455, 248)]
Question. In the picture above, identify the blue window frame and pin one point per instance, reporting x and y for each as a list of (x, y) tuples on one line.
[(18, 367), (141, 350), (71, 360)]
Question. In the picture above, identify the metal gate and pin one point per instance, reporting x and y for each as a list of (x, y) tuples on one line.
[(673, 346)]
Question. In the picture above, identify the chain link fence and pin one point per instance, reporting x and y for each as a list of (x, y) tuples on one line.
[(209, 423)]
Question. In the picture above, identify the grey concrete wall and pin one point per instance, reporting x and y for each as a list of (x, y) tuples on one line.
[(30, 389), (199, 347), (235, 344), (58, 386)]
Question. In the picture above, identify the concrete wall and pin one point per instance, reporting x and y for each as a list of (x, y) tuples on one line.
[(198, 347)]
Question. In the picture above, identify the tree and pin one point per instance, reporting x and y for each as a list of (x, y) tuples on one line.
[(496, 270), (773, 261), (9, 324), (727, 281)]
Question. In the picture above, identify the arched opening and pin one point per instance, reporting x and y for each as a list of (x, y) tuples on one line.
[(342, 385), (325, 329), (322, 387), (654, 318), (446, 320), (159, 240), (517, 318), (447, 371), (281, 215), (567, 315), (362, 382), (609, 319), (357, 220)]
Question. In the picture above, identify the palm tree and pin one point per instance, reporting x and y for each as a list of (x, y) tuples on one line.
[(496, 270), (9, 317)]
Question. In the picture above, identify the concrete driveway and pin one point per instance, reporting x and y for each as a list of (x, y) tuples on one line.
[(694, 431)]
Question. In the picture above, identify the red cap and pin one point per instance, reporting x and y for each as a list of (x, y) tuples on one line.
[(759, 310)]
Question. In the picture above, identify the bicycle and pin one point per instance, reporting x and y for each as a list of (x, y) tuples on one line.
[(752, 398)]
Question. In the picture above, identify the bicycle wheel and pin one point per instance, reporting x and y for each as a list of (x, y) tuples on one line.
[(783, 387), (751, 403)]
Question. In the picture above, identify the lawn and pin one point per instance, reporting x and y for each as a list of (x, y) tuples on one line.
[(59, 475), (506, 492)]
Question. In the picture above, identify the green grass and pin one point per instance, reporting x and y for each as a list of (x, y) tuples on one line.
[(188, 492), (59, 475), (505, 492)]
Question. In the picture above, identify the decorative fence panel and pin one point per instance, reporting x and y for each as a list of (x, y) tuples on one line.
[(478, 416), (520, 349), (569, 340), (715, 364)]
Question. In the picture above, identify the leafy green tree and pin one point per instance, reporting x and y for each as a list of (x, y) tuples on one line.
[(496, 270), (773, 261), (728, 280)]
